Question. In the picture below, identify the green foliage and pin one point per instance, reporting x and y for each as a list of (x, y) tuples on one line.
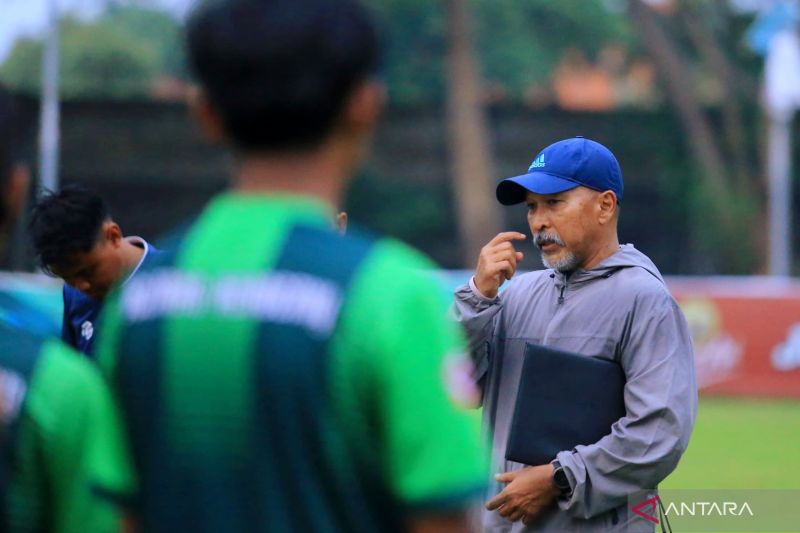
[(100, 59), (520, 42), (22, 70), (415, 45), (116, 56), (163, 33)]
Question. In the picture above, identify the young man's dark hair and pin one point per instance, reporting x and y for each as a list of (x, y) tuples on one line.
[(76, 239), (66, 222), (278, 72), (274, 374)]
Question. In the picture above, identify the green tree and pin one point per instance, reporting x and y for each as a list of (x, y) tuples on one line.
[(117, 55), (521, 42), (415, 48), (518, 42), (728, 190)]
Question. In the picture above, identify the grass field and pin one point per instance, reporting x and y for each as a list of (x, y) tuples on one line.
[(742, 444)]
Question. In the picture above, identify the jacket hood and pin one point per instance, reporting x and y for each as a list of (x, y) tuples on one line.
[(626, 257)]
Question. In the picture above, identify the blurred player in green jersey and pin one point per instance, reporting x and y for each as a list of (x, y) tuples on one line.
[(276, 375), (55, 409)]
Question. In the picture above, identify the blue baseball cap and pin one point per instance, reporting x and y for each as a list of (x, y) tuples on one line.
[(563, 166)]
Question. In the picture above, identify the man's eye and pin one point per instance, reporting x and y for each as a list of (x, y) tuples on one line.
[(552, 202)]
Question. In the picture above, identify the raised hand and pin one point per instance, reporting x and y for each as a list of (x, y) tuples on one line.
[(497, 262)]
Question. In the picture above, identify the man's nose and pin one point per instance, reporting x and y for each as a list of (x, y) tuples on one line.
[(538, 222)]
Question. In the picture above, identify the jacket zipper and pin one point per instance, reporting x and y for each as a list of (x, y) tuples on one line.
[(564, 286)]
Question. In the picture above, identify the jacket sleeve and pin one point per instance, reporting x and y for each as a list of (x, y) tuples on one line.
[(661, 404), (478, 316)]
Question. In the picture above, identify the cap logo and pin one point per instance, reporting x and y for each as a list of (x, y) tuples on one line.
[(537, 163)]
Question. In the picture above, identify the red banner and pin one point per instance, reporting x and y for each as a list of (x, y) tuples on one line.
[(746, 333)]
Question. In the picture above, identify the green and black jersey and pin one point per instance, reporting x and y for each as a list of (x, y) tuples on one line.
[(54, 406), (277, 376)]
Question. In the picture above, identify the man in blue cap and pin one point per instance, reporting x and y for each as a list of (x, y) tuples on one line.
[(597, 298)]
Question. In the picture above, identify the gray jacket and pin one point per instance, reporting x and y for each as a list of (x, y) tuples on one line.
[(620, 309)]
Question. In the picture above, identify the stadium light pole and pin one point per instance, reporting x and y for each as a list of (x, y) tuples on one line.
[(779, 150), (781, 101), (49, 126)]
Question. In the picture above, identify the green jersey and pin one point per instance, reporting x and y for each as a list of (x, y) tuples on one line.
[(277, 376), (53, 406)]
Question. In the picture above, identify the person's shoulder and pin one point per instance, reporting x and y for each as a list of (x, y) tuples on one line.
[(63, 376), (63, 395), (70, 364), (643, 286), (70, 294), (164, 251), (75, 300), (391, 263), (635, 273), (643, 280), (153, 251), (367, 251), (158, 258), (356, 243), (393, 271)]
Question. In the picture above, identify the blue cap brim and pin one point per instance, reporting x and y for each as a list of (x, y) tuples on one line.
[(514, 190)]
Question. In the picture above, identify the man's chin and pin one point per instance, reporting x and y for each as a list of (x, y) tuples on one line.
[(563, 262), (551, 260)]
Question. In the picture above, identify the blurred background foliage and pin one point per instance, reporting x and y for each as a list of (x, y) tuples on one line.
[(605, 57), (133, 45), (122, 54)]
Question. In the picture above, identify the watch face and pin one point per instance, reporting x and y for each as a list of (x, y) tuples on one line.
[(560, 479)]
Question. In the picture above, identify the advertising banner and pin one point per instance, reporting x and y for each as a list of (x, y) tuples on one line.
[(746, 333)]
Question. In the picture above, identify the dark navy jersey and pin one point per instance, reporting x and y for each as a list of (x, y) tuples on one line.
[(80, 317), (81, 312)]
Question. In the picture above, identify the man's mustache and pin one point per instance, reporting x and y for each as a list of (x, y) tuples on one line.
[(543, 238)]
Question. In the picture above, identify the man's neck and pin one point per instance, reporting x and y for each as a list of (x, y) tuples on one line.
[(318, 175), (606, 250), (132, 255)]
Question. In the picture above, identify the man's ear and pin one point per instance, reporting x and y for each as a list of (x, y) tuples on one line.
[(112, 233), (205, 115), (363, 109), (341, 222), (606, 207)]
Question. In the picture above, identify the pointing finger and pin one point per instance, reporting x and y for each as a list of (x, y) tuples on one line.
[(507, 236)]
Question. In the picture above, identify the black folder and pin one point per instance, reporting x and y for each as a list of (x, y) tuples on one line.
[(564, 399)]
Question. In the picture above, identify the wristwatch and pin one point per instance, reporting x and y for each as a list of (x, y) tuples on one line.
[(560, 479)]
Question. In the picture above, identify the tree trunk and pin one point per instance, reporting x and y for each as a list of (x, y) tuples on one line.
[(731, 233), (676, 75), (733, 128), (470, 159)]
